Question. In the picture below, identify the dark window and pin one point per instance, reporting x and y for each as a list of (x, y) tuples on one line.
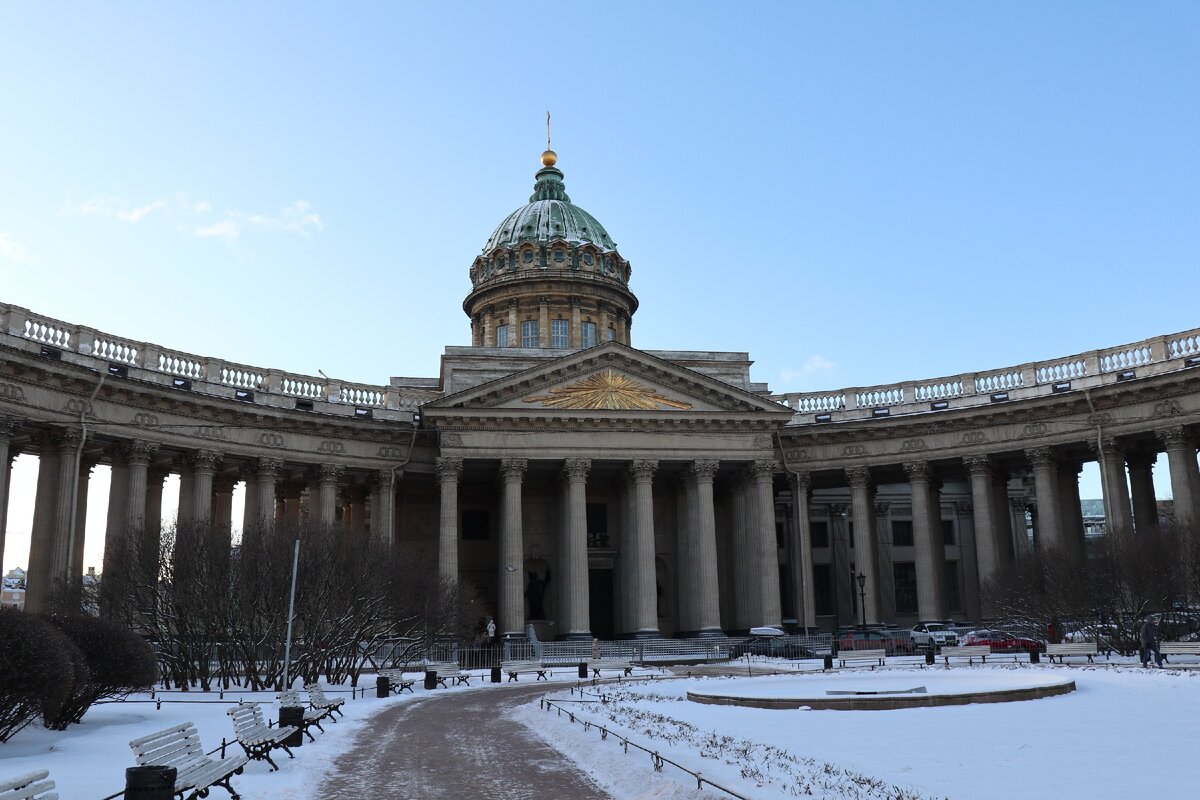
[(823, 588), (850, 534), (560, 256), (953, 596), (780, 542), (902, 533), (475, 524), (820, 534), (587, 259), (527, 256), (597, 525), (948, 531), (904, 575)]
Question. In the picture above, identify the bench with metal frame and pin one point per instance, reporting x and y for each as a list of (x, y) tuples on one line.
[(195, 772), (312, 716), (255, 736), (515, 668), (876, 657), (397, 683), (969, 651), (1059, 651)]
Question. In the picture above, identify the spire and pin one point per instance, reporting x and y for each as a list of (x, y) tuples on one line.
[(549, 185)]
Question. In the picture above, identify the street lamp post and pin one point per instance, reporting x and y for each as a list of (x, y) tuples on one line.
[(862, 597)]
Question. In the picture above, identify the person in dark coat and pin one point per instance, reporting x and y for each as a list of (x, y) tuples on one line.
[(1149, 640)]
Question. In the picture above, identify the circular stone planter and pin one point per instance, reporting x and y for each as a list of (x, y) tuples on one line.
[(872, 692)]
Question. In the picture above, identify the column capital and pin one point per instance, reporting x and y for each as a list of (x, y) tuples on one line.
[(203, 460), (1140, 459), (918, 471), (1022, 504), (67, 440), (978, 465), (576, 469), (386, 477), (138, 452), (329, 473), (512, 470), (837, 510), (1175, 437), (882, 508), (448, 468), (859, 477), (8, 427), (223, 484), (962, 508), (704, 469), (268, 467), (1041, 457), (800, 482), (643, 470), (763, 469), (1108, 446)]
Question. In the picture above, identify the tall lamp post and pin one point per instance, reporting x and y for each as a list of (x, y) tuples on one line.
[(862, 597)]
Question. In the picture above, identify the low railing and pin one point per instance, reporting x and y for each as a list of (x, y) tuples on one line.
[(1087, 370), (186, 371)]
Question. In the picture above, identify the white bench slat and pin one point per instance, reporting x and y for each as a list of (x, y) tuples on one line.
[(968, 651), (179, 746), (30, 786), (1180, 648), (845, 656)]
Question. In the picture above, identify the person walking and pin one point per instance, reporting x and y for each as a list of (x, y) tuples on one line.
[(1149, 640)]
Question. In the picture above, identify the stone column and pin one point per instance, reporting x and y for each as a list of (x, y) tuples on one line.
[(1141, 487), (983, 508), (686, 597), (152, 529), (1050, 533), (839, 563), (770, 612), (449, 470), (222, 512), (383, 504), (8, 428), (137, 458), (800, 557), (64, 520), (512, 549), (489, 327), (40, 580), (626, 564), (183, 515), (883, 556), (265, 475), (116, 527), (1117, 513), (514, 326), (1002, 521), (356, 508), (704, 597), (1019, 507), (1069, 507), (644, 595), (576, 323), (1185, 483), (743, 556), (862, 500), (543, 322), (287, 509), (927, 542), (204, 467), (78, 536), (576, 610), (328, 475), (968, 560)]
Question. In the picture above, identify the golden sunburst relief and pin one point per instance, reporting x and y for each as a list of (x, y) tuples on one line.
[(607, 390)]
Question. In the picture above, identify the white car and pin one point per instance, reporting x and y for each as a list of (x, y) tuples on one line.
[(932, 635)]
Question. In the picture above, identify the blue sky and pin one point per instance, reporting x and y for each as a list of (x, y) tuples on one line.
[(855, 194)]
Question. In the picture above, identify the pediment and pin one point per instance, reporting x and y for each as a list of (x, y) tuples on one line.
[(611, 379)]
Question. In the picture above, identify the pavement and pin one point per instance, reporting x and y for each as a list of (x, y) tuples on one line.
[(459, 745)]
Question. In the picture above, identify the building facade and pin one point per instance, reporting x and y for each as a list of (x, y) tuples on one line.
[(591, 488)]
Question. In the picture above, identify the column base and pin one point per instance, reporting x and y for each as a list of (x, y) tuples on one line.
[(652, 634), (576, 636)]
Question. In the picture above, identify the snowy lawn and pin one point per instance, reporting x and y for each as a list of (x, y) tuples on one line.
[(1124, 732)]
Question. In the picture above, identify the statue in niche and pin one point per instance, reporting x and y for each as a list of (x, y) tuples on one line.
[(535, 592)]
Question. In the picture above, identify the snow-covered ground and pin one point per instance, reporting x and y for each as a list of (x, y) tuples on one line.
[(1123, 733), (88, 761)]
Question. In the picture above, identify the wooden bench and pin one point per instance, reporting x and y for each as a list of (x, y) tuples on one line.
[(397, 683), (610, 663), (970, 652), (447, 670), (179, 747), (1179, 649), (515, 668), (872, 656), (318, 700), (32, 786), (1088, 649), (255, 736), (312, 716)]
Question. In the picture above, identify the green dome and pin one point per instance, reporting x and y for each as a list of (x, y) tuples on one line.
[(549, 216)]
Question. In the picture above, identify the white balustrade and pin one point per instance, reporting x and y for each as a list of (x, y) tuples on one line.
[(999, 381), (47, 333), (1060, 371), (816, 403), (890, 396), (1184, 345), (1126, 358), (298, 386), (113, 350), (241, 377), (182, 365), (939, 390), (362, 395)]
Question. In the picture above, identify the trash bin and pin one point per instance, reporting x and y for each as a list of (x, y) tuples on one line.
[(292, 715), (929, 656), (430, 679), (495, 674), (1035, 657), (582, 670), (150, 783), (828, 661), (382, 687)]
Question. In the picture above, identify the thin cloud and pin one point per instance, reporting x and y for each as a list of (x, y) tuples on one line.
[(10, 250), (199, 218), (226, 230), (815, 365)]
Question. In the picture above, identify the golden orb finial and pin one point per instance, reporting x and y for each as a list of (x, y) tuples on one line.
[(549, 158)]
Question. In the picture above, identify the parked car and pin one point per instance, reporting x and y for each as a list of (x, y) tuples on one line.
[(1003, 642), (932, 635), (893, 642)]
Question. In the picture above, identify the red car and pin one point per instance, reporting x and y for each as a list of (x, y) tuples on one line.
[(1002, 642), (877, 640)]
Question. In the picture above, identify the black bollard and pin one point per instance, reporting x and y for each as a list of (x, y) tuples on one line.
[(929, 656), (829, 662), (1035, 657), (150, 783), (495, 674), (430, 679), (382, 687), (582, 670), (292, 715)]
